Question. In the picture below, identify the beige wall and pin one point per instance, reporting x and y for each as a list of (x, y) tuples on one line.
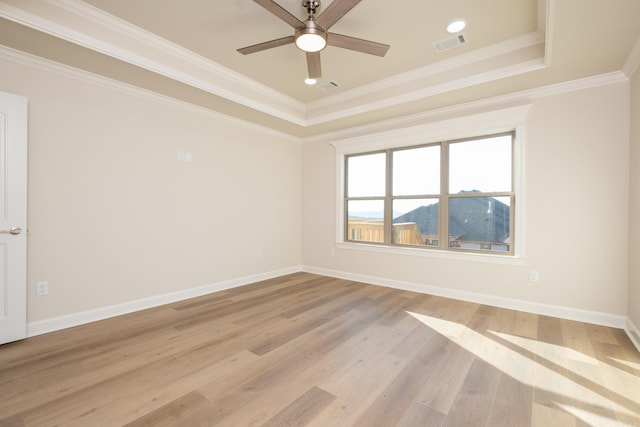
[(576, 161), (115, 217), (634, 233)]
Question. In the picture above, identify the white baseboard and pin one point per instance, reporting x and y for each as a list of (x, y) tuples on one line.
[(81, 318), (634, 333), (594, 317)]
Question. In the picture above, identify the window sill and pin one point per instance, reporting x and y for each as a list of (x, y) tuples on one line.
[(434, 253)]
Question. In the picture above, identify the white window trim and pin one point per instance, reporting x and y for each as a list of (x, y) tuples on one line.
[(490, 122)]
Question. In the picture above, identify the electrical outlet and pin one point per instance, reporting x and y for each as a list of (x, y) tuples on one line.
[(42, 288)]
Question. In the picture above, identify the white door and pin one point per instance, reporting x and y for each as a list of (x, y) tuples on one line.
[(13, 217)]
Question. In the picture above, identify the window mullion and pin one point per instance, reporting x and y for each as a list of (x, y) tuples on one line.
[(345, 200), (512, 215), (444, 195), (388, 204)]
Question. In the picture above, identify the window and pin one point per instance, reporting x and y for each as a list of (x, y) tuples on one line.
[(451, 195)]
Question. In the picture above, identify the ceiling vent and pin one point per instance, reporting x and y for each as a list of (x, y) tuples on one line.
[(450, 43), (328, 86)]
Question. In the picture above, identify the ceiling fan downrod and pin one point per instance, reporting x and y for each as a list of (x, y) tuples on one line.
[(311, 7)]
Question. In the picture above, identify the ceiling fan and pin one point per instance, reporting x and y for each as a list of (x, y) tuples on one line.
[(312, 35)]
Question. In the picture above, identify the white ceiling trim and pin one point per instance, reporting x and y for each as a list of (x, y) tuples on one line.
[(543, 36), (90, 27), (67, 71), (422, 83), (136, 33), (633, 60), (433, 90), (488, 104), (453, 127), (546, 25), (470, 108), (408, 77)]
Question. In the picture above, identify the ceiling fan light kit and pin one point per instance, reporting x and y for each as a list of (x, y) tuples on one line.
[(312, 35), (311, 38)]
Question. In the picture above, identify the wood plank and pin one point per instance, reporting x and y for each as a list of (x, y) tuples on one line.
[(357, 392), (318, 351), (236, 400), (512, 404), (443, 387), (621, 381), (321, 373), (167, 414), (392, 404), (302, 410), (545, 416), (551, 386), (12, 421), (420, 415), (474, 402), (361, 366), (591, 401)]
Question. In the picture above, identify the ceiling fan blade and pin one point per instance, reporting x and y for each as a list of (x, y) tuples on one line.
[(313, 65), (281, 13), (267, 45), (334, 12), (359, 45)]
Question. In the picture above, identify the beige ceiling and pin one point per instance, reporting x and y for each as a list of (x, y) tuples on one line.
[(187, 50)]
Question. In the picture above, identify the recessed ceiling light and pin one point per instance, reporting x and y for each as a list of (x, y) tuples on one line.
[(456, 26), (310, 81)]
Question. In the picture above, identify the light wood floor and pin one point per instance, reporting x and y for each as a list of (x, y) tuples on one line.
[(307, 350)]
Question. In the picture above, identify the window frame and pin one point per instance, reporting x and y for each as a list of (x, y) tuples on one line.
[(443, 197), (442, 127)]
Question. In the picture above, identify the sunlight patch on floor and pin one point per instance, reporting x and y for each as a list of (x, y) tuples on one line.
[(632, 365), (563, 372)]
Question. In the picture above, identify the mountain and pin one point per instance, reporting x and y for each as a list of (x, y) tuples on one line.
[(470, 218)]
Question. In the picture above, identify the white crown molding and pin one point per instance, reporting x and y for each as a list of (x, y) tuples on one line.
[(408, 77), (410, 86), (37, 62), (377, 127), (546, 24), (633, 60), (430, 90), (85, 25), (569, 313), (89, 27), (455, 125), (120, 26), (487, 104), (613, 77)]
